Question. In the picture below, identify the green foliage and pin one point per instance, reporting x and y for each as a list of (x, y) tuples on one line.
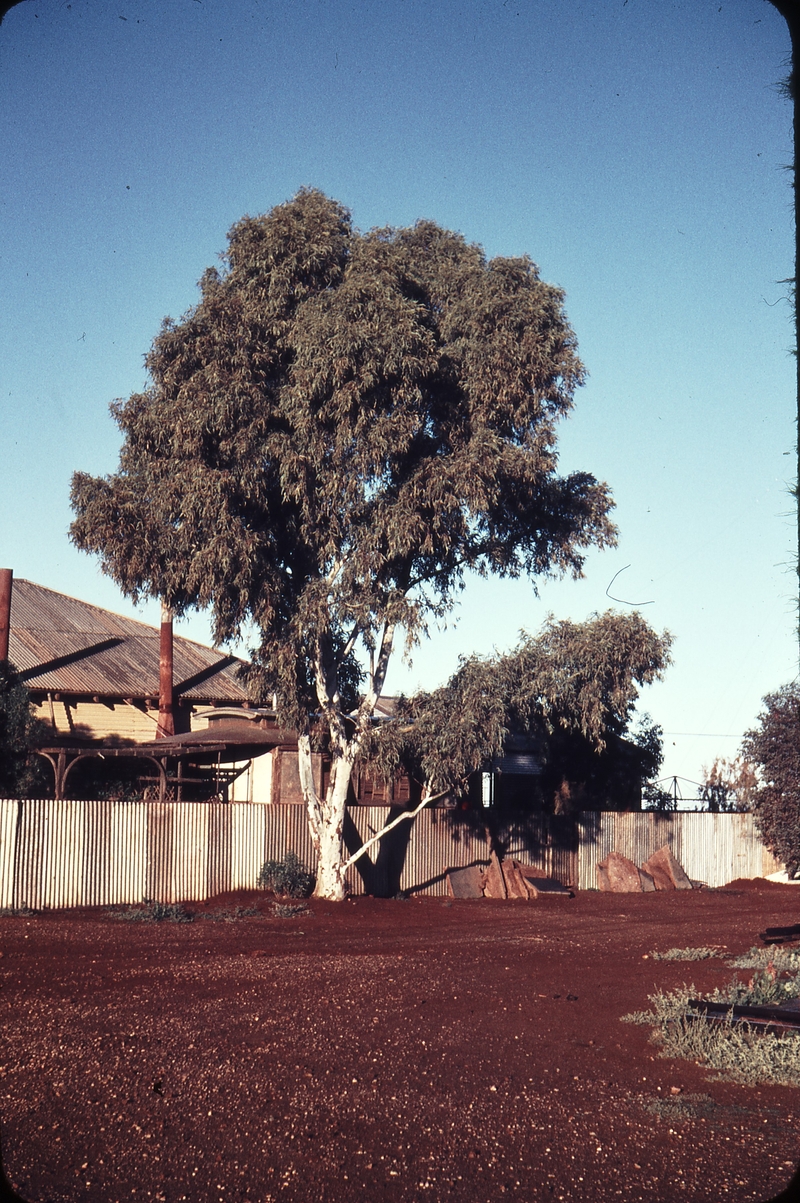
[(667, 1006), (654, 797), (286, 910), (574, 686), (761, 958), (682, 1107), (22, 773), (343, 427), (288, 878), (155, 912), (764, 989), (729, 785), (686, 954), (774, 747), (735, 1050), (230, 914)]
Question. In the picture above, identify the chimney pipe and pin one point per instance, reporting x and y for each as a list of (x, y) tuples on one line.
[(166, 713), (6, 583)]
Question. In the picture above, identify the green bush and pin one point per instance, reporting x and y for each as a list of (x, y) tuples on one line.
[(155, 912), (736, 1050), (685, 954), (288, 910), (762, 958), (763, 989), (228, 915), (288, 878)]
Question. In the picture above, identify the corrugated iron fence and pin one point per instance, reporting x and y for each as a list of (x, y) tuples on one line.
[(74, 853)]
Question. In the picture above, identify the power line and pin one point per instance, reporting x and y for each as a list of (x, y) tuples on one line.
[(705, 734)]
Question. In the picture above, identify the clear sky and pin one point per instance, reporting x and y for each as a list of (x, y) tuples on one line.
[(636, 149)]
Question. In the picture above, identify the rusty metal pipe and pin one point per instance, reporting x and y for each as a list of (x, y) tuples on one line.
[(6, 584), (166, 712)]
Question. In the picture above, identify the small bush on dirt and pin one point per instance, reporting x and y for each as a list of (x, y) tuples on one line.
[(686, 954), (735, 1050), (284, 910), (17, 912), (764, 989), (230, 916), (760, 958), (681, 1107), (288, 878), (155, 912)]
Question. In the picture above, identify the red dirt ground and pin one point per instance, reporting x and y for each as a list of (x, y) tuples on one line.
[(379, 1050)]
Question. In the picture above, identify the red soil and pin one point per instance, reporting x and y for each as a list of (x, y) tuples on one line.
[(379, 1050)]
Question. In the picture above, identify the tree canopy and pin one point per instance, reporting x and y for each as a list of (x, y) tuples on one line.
[(774, 747), (21, 772), (573, 687), (342, 427)]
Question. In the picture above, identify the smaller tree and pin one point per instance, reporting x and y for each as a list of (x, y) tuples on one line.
[(21, 772), (574, 686), (774, 747), (729, 785)]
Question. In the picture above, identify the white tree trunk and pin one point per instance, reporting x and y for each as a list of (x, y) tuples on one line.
[(326, 819), (305, 768), (326, 815), (330, 850)]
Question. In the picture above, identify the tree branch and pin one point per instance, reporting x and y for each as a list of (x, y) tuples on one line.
[(406, 815)]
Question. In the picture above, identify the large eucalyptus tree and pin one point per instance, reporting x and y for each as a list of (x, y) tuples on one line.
[(342, 427)]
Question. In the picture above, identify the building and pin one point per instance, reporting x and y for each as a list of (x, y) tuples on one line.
[(94, 680)]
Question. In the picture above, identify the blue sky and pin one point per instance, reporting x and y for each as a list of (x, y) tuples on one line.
[(636, 149)]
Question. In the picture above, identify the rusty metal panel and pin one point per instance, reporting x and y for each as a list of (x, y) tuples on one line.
[(718, 848), (769, 862), (713, 848), (414, 857)]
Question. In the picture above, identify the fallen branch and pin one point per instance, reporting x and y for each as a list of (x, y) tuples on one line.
[(407, 814)]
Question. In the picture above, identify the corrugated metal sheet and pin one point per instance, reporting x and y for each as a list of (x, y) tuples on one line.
[(58, 634), (713, 848), (102, 853)]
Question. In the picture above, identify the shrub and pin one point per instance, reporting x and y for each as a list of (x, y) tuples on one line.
[(22, 773), (284, 910), (764, 989), (736, 1050), (760, 958), (155, 912), (686, 954), (227, 915), (288, 877)]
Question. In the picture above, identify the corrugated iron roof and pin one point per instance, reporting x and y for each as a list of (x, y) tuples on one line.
[(67, 646)]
